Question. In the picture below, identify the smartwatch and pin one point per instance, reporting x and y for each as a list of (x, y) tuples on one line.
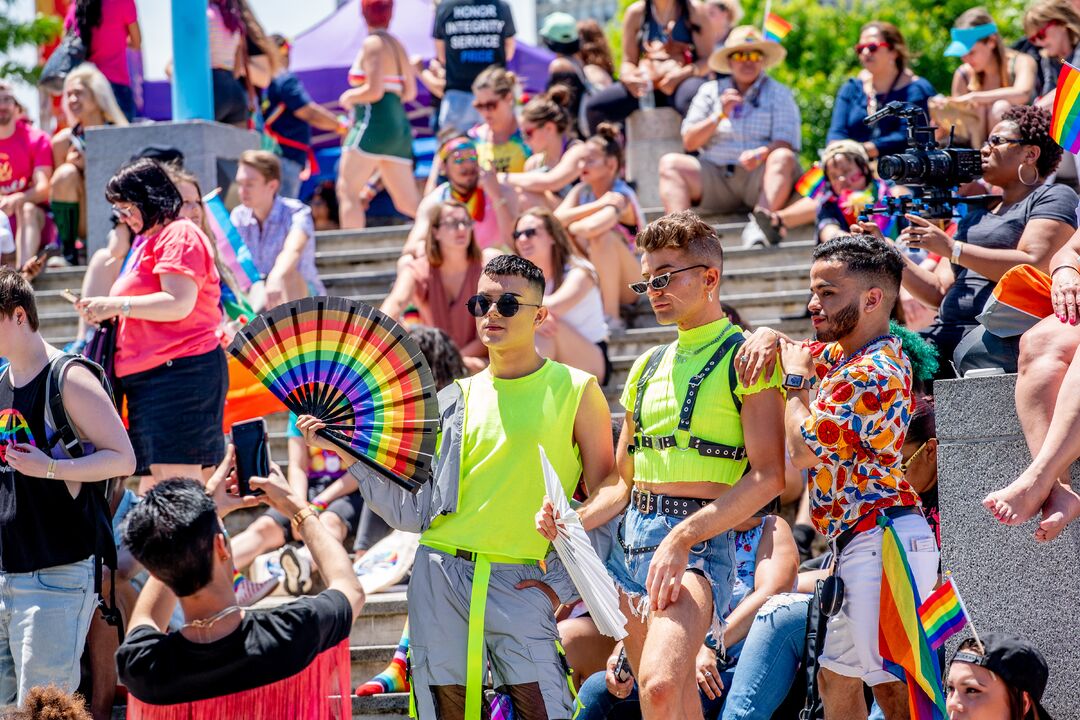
[(797, 382)]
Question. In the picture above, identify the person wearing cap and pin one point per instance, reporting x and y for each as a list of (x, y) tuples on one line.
[(1002, 678), (723, 16), (746, 129), (665, 49), (560, 35), (991, 79)]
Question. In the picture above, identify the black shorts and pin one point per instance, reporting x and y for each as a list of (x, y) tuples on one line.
[(346, 508), (175, 411), (608, 367), (230, 98)]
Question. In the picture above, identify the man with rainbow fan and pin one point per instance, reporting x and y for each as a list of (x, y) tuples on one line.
[(849, 438), (478, 599)]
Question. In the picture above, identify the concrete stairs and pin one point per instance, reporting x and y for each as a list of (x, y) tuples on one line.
[(767, 285)]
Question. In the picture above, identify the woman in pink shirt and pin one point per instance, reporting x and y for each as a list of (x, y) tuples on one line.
[(169, 364), (108, 28)]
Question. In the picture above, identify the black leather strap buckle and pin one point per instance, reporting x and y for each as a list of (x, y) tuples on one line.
[(647, 503), (709, 449)]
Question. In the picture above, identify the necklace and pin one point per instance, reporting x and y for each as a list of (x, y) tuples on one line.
[(203, 625), (682, 355), (858, 353)]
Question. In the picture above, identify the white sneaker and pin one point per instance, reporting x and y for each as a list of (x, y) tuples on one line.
[(248, 593), (296, 564)]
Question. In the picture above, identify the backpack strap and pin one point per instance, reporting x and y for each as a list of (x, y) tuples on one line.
[(98, 513)]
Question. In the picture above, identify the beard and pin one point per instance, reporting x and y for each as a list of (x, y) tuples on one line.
[(840, 323)]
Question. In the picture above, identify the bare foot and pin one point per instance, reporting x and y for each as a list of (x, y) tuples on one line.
[(1062, 506), (1017, 502)]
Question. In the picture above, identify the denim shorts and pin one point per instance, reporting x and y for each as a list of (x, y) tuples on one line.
[(713, 559), (44, 618)]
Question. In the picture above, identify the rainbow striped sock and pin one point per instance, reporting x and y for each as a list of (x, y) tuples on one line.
[(394, 679), (237, 578)]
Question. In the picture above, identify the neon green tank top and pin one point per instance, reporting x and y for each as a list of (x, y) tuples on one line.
[(715, 417), (502, 485)]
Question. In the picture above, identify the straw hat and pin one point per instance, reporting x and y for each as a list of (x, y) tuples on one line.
[(742, 38)]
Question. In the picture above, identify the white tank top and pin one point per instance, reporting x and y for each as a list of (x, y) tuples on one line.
[(587, 316)]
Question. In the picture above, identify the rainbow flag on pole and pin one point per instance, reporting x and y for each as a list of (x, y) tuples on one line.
[(776, 27), (812, 181), (901, 638), (942, 614), (1065, 124)]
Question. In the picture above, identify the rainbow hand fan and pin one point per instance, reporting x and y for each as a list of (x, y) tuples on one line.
[(356, 370)]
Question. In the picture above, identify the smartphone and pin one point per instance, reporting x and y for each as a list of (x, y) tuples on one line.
[(72, 296), (622, 667), (252, 453)]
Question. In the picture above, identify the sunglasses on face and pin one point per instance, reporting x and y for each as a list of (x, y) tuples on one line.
[(1040, 34), (907, 463), (528, 132), (873, 47), (463, 156), (456, 224), (526, 233), (487, 106), (747, 56), (507, 305), (998, 141), (124, 212), (660, 281)]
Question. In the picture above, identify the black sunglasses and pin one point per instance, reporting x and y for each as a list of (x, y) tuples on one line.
[(660, 281), (507, 305), (527, 232)]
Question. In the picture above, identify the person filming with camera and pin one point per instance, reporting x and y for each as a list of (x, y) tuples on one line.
[(1029, 223)]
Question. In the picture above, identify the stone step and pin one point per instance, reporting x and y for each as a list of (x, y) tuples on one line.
[(369, 660)]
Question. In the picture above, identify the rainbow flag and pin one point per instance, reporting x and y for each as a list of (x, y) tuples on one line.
[(901, 638), (234, 253), (776, 27), (1065, 124), (812, 181), (942, 615)]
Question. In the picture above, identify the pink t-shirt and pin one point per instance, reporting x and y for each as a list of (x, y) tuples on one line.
[(183, 249), (108, 42), (27, 149)]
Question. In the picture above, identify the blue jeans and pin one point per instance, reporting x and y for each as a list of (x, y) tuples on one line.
[(713, 559), (290, 178), (594, 702), (456, 111), (770, 658), (44, 618)]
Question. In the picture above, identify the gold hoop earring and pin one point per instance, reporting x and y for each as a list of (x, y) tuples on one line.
[(1020, 174)]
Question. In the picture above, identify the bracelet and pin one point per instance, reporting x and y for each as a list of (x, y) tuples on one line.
[(957, 248), (125, 307), (301, 515), (318, 506), (1067, 266), (50, 473)]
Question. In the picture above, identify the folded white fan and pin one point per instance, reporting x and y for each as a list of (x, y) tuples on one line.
[(585, 567)]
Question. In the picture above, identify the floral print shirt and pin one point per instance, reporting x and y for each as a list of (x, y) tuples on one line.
[(857, 425)]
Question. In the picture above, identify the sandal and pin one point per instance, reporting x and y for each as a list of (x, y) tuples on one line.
[(771, 225)]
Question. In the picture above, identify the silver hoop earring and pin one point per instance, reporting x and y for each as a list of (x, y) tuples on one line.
[(1020, 174)]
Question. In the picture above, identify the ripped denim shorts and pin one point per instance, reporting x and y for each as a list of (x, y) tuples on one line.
[(639, 535)]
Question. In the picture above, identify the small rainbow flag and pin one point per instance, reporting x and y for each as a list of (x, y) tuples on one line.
[(812, 181), (901, 638), (776, 27), (1065, 124), (942, 614)]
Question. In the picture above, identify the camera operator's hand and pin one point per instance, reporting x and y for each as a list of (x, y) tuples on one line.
[(1065, 295), (867, 228), (922, 234)]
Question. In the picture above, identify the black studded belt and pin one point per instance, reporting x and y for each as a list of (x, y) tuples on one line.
[(648, 503)]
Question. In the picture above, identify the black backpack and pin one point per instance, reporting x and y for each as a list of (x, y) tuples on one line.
[(98, 512)]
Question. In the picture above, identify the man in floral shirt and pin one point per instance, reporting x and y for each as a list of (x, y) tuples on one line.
[(849, 440)]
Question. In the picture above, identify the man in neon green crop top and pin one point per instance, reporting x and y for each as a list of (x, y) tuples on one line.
[(682, 466), (478, 599)]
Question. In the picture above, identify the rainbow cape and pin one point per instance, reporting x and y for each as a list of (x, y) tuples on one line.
[(234, 253), (776, 27), (902, 640), (942, 615), (812, 182), (1064, 126)]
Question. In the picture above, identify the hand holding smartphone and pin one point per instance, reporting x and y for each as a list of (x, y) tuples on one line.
[(72, 296), (252, 454)]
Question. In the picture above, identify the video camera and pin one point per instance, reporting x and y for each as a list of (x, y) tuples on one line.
[(932, 173)]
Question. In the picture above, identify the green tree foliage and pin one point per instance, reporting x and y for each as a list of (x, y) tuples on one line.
[(820, 46), (16, 35)]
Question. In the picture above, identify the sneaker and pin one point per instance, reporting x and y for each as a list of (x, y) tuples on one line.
[(296, 564), (248, 592)]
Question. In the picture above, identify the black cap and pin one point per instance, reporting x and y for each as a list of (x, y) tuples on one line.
[(1015, 661)]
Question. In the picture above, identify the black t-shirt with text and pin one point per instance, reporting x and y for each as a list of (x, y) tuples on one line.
[(270, 645), (475, 32)]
